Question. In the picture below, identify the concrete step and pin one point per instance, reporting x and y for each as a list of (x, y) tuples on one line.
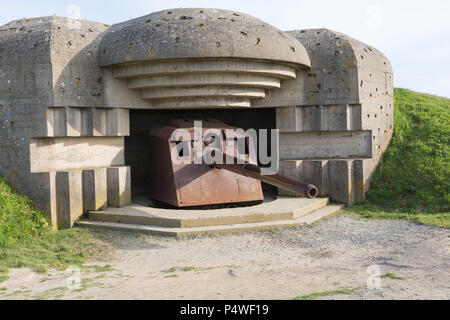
[(278, 209), (178, 232)]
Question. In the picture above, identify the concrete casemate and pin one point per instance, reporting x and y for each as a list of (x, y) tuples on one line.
[(68, 87)]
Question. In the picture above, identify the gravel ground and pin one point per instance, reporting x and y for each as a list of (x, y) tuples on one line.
[(372, 259)]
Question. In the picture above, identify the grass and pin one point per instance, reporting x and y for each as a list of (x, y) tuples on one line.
[(170, 270), (412, 180), (19, 293), (59, 292), (52, 250), (440, 220), (317, 295), (98, 269), (390, 275), (3, 278), (198, 269), (27, 240), (19, 221)]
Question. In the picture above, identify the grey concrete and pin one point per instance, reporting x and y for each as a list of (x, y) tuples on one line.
[(69, 198), (55, 154), (119, 186), (349, 87), (50, 85), (66, 95), (306, 219), (195, 48), (319, 118), (273, 209), (198, 33), (95, 196), (325, 145)]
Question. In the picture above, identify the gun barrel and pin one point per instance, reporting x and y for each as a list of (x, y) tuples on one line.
[(250, 170)]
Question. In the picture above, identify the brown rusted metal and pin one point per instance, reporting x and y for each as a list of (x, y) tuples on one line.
[(250, 170), (187, 185)]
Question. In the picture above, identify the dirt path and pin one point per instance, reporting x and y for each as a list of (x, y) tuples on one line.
[(339, 253)]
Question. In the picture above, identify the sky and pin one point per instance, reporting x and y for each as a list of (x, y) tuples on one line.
[(414, 35)]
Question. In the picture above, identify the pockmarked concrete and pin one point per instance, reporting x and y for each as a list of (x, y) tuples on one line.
[(67, 91)]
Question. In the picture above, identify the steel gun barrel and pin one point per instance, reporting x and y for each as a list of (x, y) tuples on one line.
[(253, 171)]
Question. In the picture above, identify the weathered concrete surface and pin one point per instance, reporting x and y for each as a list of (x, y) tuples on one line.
[(348, 88), (193, 83), (62, 85), (119, 186), (325, 145), (68, 153), (195, 49), (51, 86), (95, 193), (25, 92), (198, 33), (271, 210), (229, 228), (69, 198)]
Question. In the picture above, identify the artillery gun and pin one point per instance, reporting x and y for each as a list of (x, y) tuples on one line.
[(181, 180)]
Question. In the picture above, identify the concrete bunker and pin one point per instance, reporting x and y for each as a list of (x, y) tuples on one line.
[(72, 101)]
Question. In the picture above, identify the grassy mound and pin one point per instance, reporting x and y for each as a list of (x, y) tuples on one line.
[(26, 239), (412, 180), (18, 219)]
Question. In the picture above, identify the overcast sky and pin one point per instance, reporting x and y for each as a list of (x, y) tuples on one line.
[(414, 35)]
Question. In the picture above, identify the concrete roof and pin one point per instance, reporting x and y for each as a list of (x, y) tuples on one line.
[(198, 33)]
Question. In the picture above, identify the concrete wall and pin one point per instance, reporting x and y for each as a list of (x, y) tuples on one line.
[(51, 114), (25, 92), (347, 96)]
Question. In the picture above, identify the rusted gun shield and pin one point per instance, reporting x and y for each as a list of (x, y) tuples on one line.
[(189, 184)]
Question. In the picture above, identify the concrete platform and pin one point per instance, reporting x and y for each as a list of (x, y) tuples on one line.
[(279, 213)]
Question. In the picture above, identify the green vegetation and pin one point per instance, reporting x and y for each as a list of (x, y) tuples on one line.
[(317, 295), (198, 269), (19, 293), (170, 270), (3, 278), (51, 250), (98, 269), (26, 239), (412, 180), (392, 276), (19, 221), (54, 293)]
